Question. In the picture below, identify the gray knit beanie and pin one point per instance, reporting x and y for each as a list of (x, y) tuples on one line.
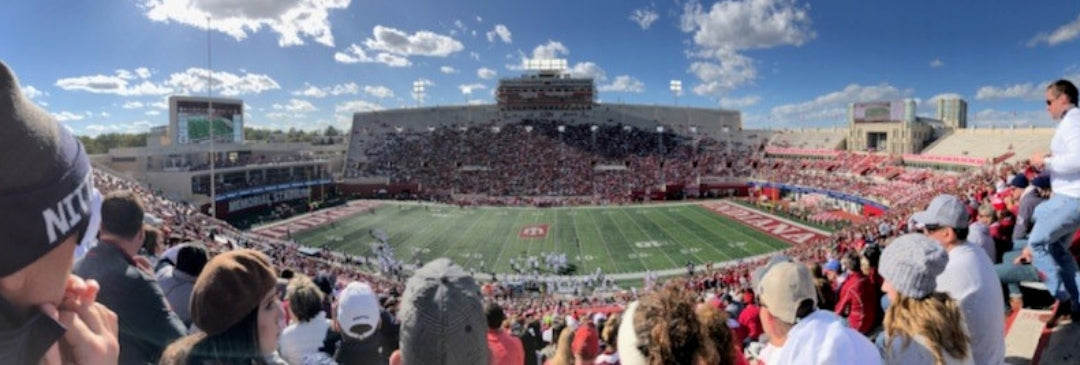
[(911, 264)]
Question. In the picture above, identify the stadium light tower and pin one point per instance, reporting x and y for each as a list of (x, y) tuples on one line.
[(676, 89), (418, 92), (210, 121)]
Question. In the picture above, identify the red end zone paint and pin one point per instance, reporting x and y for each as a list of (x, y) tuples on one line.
[(783, 230), (534, 231)]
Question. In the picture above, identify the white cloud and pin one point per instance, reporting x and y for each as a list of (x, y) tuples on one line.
[(379, 91), (163, 105), (1017, 91), (132, 105), (935, 63), (94, 130), (739, 103), (833, 107), (392, 60), (934, 99), (929, 106), (65, 116), (549, 50), (479, 19), (478, 102), (732, 71), (356, 54), (588, 69), (624, 84), (116, 84), (311, 92), (140, 126), (730, 27), (1062, 34), (485, 73), (500, 31), (296, 106), (319, 92), (104, 114), (194, 80), (286, 116), (469, 88), (448, 70), (292, 20), (754, 24), (352, 54), (644, 17), (475, 56), (421, 43), (999, 118), (152, 112), (357, 106), (143, 72), (188, 82), (31, 92)]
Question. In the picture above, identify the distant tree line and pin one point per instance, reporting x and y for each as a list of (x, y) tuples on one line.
[(103, 142)]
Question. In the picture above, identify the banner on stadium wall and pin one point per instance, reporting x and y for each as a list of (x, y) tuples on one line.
[(802, 151), (872, 211), (268, 198), (829, 193), (948, 160), (263, 189)]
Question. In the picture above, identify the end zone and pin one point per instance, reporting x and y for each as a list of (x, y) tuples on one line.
[(782, 229)]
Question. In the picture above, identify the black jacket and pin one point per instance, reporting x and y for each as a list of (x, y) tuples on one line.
[(24, 340)]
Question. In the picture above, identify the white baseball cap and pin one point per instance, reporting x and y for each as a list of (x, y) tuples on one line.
[(358, 310)]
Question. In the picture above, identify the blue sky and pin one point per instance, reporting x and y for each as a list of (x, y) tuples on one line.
[(108, 66)]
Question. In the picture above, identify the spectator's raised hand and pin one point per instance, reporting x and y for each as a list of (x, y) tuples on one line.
[(92, 329)]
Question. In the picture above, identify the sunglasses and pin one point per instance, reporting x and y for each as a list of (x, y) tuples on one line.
[(931, 228)]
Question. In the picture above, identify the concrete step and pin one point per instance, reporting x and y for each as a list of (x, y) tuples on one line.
[(1028, 341)]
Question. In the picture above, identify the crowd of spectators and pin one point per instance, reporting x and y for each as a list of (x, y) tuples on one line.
[(843, 265), (925, 297), (545, 158)]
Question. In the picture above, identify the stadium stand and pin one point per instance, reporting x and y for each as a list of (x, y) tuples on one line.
[(1018, 143), (809, 138)]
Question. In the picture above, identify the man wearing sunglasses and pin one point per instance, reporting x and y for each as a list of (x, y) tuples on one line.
[(1059, 217), (969, 277)]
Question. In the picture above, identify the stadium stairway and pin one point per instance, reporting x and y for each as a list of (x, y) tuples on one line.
[(1028, 341)]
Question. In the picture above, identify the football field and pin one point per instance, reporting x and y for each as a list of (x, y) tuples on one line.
[(617, 239)]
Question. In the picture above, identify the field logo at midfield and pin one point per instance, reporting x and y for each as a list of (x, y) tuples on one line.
[(784, 230), (534, 231)]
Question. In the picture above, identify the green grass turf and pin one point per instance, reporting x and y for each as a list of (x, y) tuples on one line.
[(616, 239)]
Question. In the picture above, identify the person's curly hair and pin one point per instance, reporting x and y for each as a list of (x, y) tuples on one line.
[(668, 329), (715, 322)]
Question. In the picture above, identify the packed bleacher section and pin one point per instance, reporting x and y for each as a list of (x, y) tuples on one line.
[(546, 158), (807, 138), (182, 223)]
